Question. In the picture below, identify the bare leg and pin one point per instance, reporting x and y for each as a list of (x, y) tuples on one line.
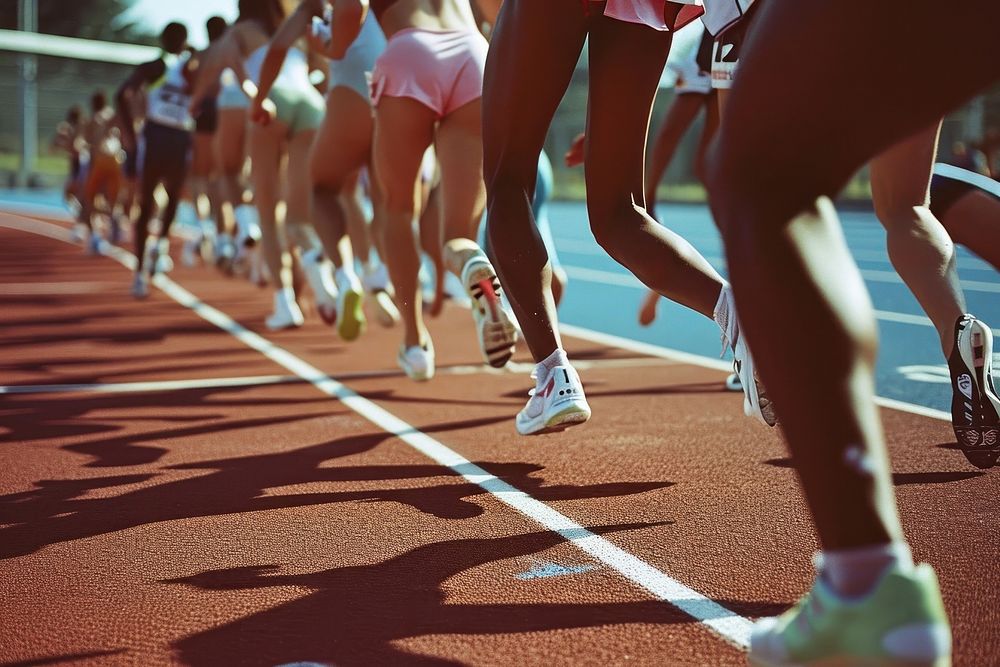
[(527, 61), (265, 155), (683, 111), (785, 249), (616, 139), (919, 247), (974, 221), (403, 130)]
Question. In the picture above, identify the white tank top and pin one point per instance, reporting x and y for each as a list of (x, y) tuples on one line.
[(294, 71), (168, 98)]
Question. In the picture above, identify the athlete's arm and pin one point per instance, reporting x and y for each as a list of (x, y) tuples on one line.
[(224, 53), (293, 28), (142, 75), (345, 26)]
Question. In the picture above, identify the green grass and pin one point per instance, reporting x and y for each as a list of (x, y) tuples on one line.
[(52, 169)]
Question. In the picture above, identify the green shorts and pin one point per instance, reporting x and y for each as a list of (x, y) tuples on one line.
[(301, 109)]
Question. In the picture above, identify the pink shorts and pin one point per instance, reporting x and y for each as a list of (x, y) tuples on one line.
[(441, 70), (654, 12)]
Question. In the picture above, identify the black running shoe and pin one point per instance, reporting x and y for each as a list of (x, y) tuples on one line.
[(975, 407)]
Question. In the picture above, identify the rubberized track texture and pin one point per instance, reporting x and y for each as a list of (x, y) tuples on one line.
[(178, 486)]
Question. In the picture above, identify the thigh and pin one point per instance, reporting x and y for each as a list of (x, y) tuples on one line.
[(619, 108), (459, 147), (528, 69), (230, 138), (404, 128), (266, 151), (901, 175), (299, 187), (343, 143), (800, 122)]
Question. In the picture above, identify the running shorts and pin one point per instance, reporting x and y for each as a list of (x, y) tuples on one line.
[(207, 120), (950, 183), (301, 108), (726, 54)]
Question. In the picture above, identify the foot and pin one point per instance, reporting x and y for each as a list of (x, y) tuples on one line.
[(494, 325), (94, 244), (557, 401), (158, 260), (318, 273), (900, 622), (189, 252), (376, 284), (417, 361), (287, 314), (351, 323), (140, 286), (117, 235), (755, 400), (247, 226), (975, 407), (224, 252)]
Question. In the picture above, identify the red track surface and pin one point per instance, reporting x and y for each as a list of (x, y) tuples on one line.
[(270, 524)]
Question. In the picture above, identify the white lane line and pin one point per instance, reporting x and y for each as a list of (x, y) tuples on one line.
[(140, 387), (718, 364), (727, 623), (263, 380)]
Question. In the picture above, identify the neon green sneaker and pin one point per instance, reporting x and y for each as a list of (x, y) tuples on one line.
[(902, 622)]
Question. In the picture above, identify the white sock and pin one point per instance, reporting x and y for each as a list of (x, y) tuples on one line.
[(557, 358), (288, 294), (853, 573)]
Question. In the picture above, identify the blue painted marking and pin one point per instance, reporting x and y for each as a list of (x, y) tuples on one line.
[(543, 569)]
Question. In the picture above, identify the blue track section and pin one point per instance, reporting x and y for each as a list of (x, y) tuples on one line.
[(605, 297)]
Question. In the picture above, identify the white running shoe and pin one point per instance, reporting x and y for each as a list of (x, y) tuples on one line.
[(351, 314), (733, 383), (140, 285), (158, 256), (755, 401), (190, 251), (557, 401), (247, 226), (79, 232), (376, 284), (494, 325), (975, 405), (287, 314), (94, 244), (224, 251), (417, 361), (318, 273)]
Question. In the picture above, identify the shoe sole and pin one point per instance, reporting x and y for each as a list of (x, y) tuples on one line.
[(489, 285), (416, 377), (571, 415), (385, 310), (752, 407), (352, 320), (985, 451)]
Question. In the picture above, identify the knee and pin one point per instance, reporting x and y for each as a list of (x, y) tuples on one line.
[(609, 214)]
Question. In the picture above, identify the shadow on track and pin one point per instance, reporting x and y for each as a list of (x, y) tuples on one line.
[(56, 510), (357, 614), (905, 478)]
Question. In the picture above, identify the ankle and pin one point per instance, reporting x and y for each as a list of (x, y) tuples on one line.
[(854, 572)]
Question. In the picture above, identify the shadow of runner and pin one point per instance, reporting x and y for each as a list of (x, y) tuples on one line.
[(904, 478), (55, 511), (355, 615)]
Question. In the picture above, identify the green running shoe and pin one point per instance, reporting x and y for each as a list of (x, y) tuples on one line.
[(901, 623)]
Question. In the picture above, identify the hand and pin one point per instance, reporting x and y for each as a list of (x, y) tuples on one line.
[(262, 111), (574, 156)]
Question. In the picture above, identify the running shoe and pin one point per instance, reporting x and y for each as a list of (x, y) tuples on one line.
[(376, 284), (79, 232), (287, 314), (975, 407), (755, 401), (417, 361), (901, 622), (351, 322), (94, 244), (224, 251), (733, 383), (140, 286), (158, 257), (190, 251), (247, 226), (556, 403), (494, 325), (318, 273)]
